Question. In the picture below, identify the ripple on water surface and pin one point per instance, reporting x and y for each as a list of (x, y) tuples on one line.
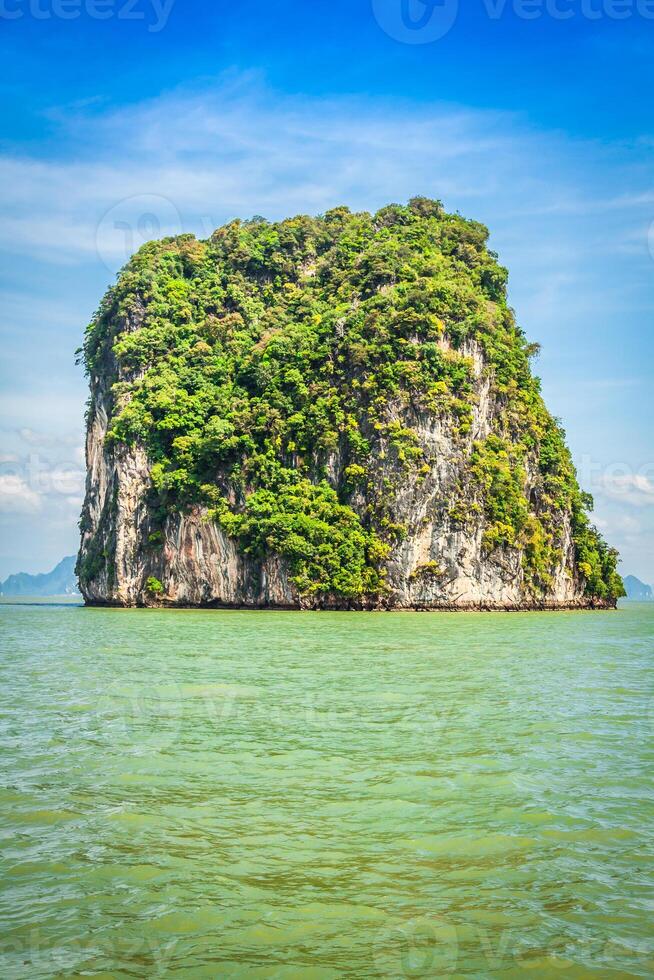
[(204, 793)]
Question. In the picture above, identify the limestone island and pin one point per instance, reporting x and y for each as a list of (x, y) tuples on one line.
[(328, 413)]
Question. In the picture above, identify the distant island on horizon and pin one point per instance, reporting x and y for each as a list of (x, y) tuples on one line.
[(62, 580), (636, 589)]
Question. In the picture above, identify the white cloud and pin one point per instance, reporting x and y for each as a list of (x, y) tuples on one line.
[(37, 483), (623, 524), (16, 497), (35, 438), (68, 481), (196, 158), (636, 489)]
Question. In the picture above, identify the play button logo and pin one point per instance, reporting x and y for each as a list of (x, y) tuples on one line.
[(416, 21)]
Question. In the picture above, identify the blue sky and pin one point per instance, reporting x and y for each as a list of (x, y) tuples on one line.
[(161, 115)]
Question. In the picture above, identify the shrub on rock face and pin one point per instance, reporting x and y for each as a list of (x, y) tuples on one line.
[(153, 587), (275, 375)]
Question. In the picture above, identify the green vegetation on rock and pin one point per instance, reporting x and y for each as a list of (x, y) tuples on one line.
[(154, 588), (270, 370)]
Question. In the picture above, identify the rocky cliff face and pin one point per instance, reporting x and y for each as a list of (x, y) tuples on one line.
[(442, 484)]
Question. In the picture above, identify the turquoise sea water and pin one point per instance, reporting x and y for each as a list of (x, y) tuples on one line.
[(272, 794)]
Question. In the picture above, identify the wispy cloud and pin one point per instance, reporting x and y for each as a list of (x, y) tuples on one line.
[(192, 159), (16, 496), (47, 439), (633, 488)]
